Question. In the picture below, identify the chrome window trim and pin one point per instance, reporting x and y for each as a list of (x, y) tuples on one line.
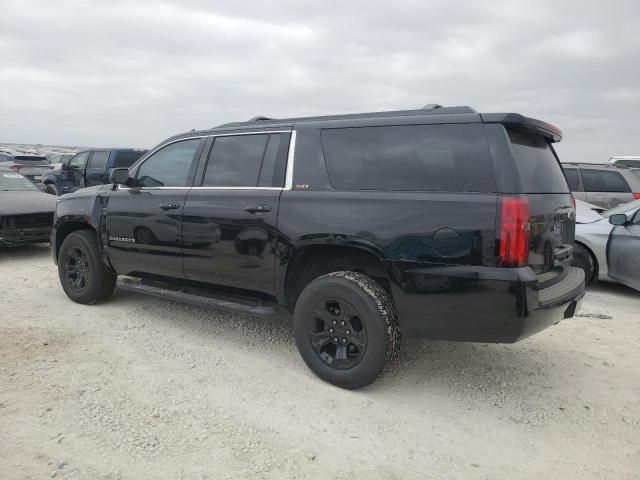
[(288, 184)]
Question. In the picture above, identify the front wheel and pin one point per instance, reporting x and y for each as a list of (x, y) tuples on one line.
[(583, 259), (346, 328), (83, 276)]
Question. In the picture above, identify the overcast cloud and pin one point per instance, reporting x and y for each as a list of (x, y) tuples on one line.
[(133, 73)]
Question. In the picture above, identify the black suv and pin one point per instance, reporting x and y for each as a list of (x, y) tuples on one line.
[(441, 222)]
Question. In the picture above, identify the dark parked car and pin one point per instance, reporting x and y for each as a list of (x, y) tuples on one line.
[(442, 222), (26, 213), (603, 185), (88, 168), (34, 167)]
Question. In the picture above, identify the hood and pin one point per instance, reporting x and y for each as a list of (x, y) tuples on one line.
[(21, 203), (585, 212), (89, 191)]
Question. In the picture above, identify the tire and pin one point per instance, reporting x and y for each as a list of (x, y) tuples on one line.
[(52, 189), (583, 259), (346, 328), (92, 281)]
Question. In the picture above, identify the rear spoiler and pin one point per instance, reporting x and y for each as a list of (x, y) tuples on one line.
[(526, 124)]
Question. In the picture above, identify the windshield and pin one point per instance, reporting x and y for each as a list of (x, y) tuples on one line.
[(624, 208), (14, 182)]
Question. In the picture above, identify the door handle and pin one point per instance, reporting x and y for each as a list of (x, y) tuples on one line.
[(169, 206), (258, 208)]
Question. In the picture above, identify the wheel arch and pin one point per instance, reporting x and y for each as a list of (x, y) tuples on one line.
[(63, 230), (312, 261)]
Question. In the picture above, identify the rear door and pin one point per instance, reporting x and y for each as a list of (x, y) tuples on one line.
[(229, 222), (551, 211), (605, 188), (623, 253), (95, 173)]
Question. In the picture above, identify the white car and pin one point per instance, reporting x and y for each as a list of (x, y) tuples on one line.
[(607, 245)]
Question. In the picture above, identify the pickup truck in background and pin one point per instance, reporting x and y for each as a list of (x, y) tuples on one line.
[(88, 168)]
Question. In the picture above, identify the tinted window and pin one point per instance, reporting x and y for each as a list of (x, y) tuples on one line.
[(98, 160), (415, 157), (168, 167), (124, 159), (572, 178), (246, 161), (603, 181), (536, 165), (79, 160)]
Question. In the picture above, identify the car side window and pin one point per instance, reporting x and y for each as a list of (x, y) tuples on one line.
[(79, 160), (169, 166), (98, 160), (603, 181), (247, 161), (572, 178)]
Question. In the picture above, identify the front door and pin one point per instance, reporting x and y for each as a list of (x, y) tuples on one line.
[(143, 222), (95, 173), (622, 253), (229, 222), (72, 177)]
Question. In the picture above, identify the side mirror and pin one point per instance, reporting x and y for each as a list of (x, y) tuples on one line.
[(618, 219), (119, 176)]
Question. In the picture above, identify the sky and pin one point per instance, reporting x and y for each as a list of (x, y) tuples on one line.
[(131, 73)]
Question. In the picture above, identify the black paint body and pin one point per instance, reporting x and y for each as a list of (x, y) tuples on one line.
[(436, 250)]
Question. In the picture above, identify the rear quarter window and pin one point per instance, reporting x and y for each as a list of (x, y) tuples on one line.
[(125, 159), (446, 158), (536, 165)]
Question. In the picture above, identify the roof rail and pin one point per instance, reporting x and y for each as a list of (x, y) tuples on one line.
[(604, 165), (431, 106), (260, 118)]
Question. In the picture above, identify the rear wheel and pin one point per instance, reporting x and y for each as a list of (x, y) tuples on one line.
[(346, 328), (83, 276), (583, 259), (52, 189)]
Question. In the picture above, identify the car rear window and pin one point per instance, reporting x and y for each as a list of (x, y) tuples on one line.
[(603, 181), (536, 165), (446, 158), (126, 159)]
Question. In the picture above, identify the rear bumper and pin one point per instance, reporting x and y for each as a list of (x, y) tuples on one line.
[(482, 304)]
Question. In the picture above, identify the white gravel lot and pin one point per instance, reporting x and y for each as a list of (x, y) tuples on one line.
[(142, 388)]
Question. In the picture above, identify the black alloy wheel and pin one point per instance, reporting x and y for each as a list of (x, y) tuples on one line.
[(76, 270), (337, 333)]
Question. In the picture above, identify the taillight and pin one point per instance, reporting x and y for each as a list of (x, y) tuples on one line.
[(573, 202), (16, 168), (514, 232), (636, 196)]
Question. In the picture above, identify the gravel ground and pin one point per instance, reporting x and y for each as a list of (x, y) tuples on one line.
[(140, 388)]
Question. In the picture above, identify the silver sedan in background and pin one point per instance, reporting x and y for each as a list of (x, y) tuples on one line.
[(607, 245)]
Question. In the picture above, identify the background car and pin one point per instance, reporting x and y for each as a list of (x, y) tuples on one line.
[(605, 251), (88, 168), (603, 185), (26, 213), (34, 167)]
